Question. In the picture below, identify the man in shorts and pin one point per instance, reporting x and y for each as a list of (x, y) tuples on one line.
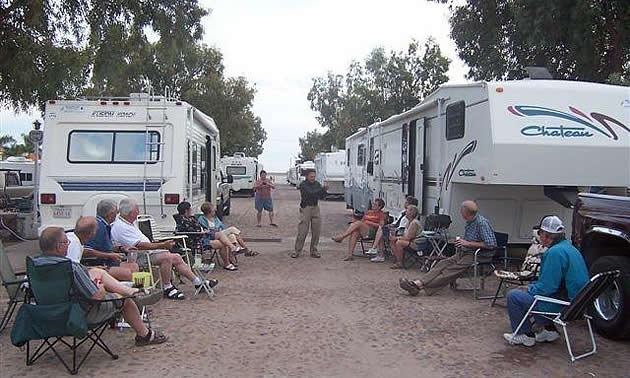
[(96, 284), (263, 200)]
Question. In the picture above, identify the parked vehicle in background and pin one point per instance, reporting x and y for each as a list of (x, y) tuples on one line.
[(12, 188), (601, 231), (330, 169), (244, 170), (294, 172), (224, 194), (487, 141), (301, 168), (155, 149), (26, 168)]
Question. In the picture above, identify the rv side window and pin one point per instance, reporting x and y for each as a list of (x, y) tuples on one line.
[(455, 120), (113, 147), (12, 179), (235, 170), (348, 156), (203, 167), (26, 176), (361, 155), (194, 163), (214, 158)]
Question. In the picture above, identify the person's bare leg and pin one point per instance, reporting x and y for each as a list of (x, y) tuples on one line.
[(224, 240), (351, 229), (224, 255), (120, 273), (164, 261), (378, 239), (399, 250), (259, 218), (181, 267), (131, 314), (133, 267), (110, 283), (241, 242), (270, 217), (352, 243)]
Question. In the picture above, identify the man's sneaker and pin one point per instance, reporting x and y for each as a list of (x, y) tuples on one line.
[(372, 251), (521, 339), (547, 336), (378, 259)]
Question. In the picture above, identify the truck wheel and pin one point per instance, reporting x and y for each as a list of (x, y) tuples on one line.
[(611, 310)]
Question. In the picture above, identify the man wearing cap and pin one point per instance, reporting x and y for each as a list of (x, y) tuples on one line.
[(563, 274), (478, 234)]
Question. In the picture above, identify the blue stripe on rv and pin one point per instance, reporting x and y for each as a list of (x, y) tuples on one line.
[(151, 186)]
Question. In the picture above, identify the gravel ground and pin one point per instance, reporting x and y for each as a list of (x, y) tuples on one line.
[(279, 316)]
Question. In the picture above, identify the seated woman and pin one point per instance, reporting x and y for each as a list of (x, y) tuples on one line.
[(371, 221), (387, 231), (211, 221), (412, 237), (217, 240)]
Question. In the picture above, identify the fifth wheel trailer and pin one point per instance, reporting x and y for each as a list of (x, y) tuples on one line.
[(329, 167), (521, 149)]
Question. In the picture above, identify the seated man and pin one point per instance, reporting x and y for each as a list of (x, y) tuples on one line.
[(412, 238), (97, 284), (126, 234), (563, 274), (188, 223), (477, 234), (209, 220), (371, 221), (100, 244), (387, 231)]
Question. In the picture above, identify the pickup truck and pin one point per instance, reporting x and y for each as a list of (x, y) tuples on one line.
[(601, 231), (11, 186)]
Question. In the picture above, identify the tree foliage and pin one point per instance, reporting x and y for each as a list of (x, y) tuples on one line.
[(384, 84), (575, 39), (314, 142), (66, 48), (10, 147)]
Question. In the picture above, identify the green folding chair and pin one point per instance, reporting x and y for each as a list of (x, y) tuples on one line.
[(15, 285), (57, 315)]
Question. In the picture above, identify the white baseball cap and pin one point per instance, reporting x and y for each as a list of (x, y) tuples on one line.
[(552, 224)]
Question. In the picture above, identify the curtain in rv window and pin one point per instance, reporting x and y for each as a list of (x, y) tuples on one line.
[(194, 162), (455, 120), (129, 147), (361, 155), (348, 156), (235, 170), (204, 176)]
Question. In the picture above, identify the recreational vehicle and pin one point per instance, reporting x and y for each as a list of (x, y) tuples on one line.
[(330, 168), (300, 171), (521, 149), (244, 170), (25, 166), (154, 149)]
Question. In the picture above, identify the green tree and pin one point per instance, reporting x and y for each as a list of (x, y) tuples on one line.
[(12, 148), (575, 39), (384, 84), (314, 142)]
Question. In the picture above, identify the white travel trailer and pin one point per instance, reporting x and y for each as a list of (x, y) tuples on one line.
[(521, 149), (293, 172), (244, 170), (22, 164), (301, 168), (330, 169), (154, 149), (357, 193)]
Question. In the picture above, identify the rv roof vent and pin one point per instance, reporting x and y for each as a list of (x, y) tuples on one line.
[(538, 73), (239, 154)]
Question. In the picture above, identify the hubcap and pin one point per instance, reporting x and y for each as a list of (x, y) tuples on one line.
[(608, 304)]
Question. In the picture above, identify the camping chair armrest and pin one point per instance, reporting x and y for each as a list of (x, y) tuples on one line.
[(190, 233), (20, 273), (551, 300), (17, 282), (172, 237)]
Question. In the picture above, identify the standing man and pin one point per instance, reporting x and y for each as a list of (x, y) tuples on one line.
[(311, 192), (263, 198), (477, 234)]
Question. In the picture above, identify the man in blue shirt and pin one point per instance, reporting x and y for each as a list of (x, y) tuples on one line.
[(101, 246), (563, 274), (477, 234)]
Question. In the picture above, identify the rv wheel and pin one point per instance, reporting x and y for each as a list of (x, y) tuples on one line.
[(611, 310)]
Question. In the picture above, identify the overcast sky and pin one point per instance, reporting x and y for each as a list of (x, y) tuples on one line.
[(281, 45)]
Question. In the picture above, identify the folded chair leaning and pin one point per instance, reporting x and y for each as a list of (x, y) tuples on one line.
[(58, 315), (15, 283), (575, 310)]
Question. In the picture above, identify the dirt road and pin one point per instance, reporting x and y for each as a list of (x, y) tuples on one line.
[(279, 316)]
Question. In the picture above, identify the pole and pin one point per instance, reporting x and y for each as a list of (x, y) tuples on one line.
[(36, 143)]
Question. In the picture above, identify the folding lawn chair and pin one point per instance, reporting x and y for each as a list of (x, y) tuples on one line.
[(58, 314), (16, 285), (195, 243), (436, 237), (574, 310), (528, 271)]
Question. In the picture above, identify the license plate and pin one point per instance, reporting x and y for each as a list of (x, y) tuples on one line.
[(62, 212)]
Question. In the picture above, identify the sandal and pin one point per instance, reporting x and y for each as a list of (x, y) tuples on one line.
[(230, 267), (173, 293), (152, 338), (273, 224), (295, 255), (349, 258), (249, 252)]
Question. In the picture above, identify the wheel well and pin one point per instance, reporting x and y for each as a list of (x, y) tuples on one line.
[(596, 245)]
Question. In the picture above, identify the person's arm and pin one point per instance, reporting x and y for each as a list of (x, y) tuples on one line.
[(410, 232), (550, 276), (89, 252), (489, 241), (259, 184), (146, 246), (270, 183)]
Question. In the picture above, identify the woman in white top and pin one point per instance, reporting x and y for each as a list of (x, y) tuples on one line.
[(412, 233)]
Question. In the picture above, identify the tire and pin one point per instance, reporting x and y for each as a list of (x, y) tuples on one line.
[(613, 322)]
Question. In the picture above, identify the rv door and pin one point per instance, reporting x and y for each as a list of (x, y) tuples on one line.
[(416, 160)]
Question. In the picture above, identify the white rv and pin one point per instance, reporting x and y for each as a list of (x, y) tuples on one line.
[(520, 149), (244, 170), (22, 164), (300, 170), (330, 168), (156, 150), (357, 193)]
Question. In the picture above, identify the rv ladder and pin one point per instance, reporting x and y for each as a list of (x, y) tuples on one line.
[(149, 147)]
